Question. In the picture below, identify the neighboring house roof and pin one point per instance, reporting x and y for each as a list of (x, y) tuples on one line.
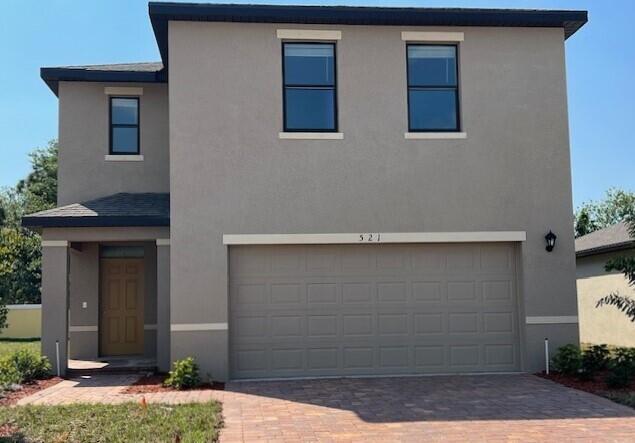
[(123, 209), (150, 72), (161, 13), (613, 238)]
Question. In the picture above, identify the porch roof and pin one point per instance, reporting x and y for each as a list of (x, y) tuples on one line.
[(117, 210)]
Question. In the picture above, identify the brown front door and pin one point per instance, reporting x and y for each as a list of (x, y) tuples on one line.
[(121, 306)]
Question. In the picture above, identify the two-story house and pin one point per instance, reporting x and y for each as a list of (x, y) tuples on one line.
[(317, 191)]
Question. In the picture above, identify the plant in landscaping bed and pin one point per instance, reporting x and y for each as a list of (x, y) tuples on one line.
[(621, 368), (568, 360), (594, 359), (184, 374), (9, 375), (30, 365)]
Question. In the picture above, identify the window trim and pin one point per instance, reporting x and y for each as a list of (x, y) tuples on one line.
[(335, 128), (458, 128), (112, 125)]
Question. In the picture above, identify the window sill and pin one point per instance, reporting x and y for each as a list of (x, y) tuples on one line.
[(123, 158), (311, 135), (434, 135)]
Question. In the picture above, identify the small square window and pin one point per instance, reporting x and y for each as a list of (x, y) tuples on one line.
[(124, 125)]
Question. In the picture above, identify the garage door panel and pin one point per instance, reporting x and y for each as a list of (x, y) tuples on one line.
[(364, 310)]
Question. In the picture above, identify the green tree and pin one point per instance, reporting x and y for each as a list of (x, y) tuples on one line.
[(20, 248), (625, 265), (616, 206), (39, 189)]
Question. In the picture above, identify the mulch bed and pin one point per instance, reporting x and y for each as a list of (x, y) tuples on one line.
[(154, 383), (11, 397), (596, 385)]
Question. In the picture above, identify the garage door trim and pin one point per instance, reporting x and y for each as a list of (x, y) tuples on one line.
[(375, 237)]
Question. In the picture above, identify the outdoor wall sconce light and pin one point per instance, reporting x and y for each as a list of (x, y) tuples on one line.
[(551, 241)]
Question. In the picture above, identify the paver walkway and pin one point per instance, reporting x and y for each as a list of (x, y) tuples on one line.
[(454, 408)]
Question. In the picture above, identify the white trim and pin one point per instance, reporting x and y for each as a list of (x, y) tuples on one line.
[(434, 135), (163, 242), (308, 34), (123, 158), (199, 327), (311, 135), (123, 90), (378, 237), (149, 327), (82, 329), (410, 36), (54, 243), (552, 320), (25, 307)]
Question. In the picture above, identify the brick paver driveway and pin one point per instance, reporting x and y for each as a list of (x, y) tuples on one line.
[(487, 408), (454, 408)]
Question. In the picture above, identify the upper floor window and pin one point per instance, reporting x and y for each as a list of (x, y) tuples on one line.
[(310, 93), (124, 125), (433, 96)]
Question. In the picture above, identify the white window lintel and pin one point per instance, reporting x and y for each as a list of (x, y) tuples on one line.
[(308, 34), (417, 36), (123, 90)]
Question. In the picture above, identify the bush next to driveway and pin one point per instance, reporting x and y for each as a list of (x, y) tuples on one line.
[(128, 422)]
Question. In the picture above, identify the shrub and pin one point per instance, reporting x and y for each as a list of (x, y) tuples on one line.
[(595, 359), (621, 368), (30, 365), (568, 360), (9, 375), (184, 374)]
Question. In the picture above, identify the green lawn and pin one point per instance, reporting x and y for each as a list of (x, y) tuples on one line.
[(129, 422), (8, 345)]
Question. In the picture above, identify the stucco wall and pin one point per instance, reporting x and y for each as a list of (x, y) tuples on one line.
[(83, 137), (23, 321), (230, 173), (606, 324)]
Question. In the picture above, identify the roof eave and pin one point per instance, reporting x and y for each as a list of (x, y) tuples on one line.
[(606, 249), (162, 13), (35, 222), (52, 76)]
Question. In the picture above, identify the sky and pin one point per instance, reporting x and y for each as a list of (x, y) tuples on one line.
[(600, 62)]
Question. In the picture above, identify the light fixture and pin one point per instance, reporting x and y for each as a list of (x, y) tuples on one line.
[(551, 241)]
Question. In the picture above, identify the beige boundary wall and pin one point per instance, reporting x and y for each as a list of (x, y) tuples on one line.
[(25, 321)]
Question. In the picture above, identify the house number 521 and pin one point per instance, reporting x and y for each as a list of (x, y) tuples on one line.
[(374, 237)]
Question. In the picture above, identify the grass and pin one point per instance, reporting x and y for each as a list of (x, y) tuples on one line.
[(128, 422), (7, 346)]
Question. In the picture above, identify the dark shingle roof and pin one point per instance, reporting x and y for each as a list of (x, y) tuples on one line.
[(608, 239), (145, 72), (123, 209)]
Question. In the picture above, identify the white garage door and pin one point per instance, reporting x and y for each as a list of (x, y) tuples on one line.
[(331, 310)]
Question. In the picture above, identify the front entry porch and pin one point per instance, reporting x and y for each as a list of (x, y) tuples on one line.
[(104, 299), (105, 279)]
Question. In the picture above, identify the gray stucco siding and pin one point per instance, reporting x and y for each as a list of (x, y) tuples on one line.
[(83, 173), (230, 173)]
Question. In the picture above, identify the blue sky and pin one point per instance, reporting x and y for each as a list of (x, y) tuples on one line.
[(600, 70)]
